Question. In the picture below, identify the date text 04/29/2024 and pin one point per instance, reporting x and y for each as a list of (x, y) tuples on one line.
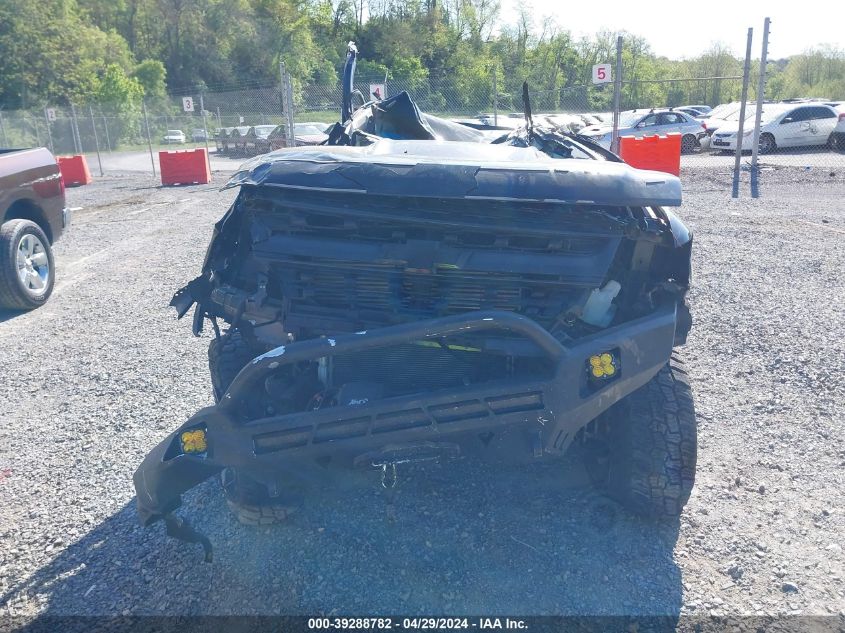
[(417, 623)]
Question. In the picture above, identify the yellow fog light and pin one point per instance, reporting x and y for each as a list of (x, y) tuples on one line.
[(603, 365), (193, 441)]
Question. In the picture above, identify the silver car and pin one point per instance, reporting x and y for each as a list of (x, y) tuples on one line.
[(641, 123)]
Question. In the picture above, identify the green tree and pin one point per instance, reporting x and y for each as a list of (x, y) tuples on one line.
[(151, 74), (119, 98)]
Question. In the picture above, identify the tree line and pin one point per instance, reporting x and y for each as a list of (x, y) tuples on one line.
[(117, 51)]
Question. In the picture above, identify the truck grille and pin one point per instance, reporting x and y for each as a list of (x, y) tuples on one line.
[(385, 294), (341, 261)]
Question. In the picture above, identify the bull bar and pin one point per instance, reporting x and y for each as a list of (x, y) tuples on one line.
[(551, 409)]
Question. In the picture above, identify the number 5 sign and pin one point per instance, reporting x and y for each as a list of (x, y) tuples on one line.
[(602, 74)]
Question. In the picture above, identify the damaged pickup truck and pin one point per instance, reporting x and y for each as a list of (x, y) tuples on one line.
[(415, 300)]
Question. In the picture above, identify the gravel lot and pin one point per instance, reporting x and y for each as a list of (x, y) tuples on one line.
[(99, 375)]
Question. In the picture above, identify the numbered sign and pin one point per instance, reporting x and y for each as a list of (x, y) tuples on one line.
[(51, 114), (377, 91), (602, 74), (188, 104)]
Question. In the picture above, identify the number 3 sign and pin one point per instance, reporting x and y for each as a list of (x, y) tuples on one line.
[(602, 74)]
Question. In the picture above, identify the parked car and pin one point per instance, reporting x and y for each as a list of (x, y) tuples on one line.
[(257, 139), (198, 135), (720, 115), (782, 125), (837, 141), (237, 140), (649, 123), (32, 217), (221, 139), (570, 123), (174, 137), (693, 112), (704, 109), (304, 134)]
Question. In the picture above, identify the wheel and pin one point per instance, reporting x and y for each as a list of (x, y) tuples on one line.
[(689, 143), (836, 142), (227, 355), (249, 500), (251, 504), (767, 143), (645, 455), (27, 273)]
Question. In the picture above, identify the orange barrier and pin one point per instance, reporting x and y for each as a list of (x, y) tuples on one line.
[(184, 167), (660, 153), (74, 170)]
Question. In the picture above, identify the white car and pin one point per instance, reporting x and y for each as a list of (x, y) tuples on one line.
[(722, 114), (837, 141), (641, 123), (174, 137), (782, 125)]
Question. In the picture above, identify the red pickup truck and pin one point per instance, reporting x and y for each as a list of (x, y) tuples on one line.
[(33, 216)]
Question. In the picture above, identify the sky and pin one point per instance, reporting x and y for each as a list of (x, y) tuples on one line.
[(684, 29)]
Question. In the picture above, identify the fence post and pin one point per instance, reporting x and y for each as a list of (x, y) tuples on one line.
[(37, 131), (149, 140), (283, 92), (49, 132), (495, 98), (617, 97), (3, 130), (745, 77), (96, 140), (74, 127), (205, 130), (106, 126), (761, 94), (288, 88)]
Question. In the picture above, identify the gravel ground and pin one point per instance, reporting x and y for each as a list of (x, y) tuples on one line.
[(100, 374)]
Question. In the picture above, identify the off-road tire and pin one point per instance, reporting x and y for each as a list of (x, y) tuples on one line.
[(248, 500), (689, 143), (648, 453), (13, 293), (227, 355), (250, 503)]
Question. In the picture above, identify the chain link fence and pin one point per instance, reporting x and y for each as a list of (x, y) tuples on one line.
[(128, 136)]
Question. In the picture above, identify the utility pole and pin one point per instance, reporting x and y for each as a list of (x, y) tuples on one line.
[(761, 94), (739, 135), (617, 96)]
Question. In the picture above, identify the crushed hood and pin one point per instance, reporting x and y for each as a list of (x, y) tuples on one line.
[(457, 169)]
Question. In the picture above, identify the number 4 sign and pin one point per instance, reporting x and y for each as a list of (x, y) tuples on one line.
[(602, 74)]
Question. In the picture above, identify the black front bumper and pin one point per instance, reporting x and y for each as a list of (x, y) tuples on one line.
[(550, 410)]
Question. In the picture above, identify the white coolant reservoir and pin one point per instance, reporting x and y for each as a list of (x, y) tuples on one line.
[(599, 309)]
